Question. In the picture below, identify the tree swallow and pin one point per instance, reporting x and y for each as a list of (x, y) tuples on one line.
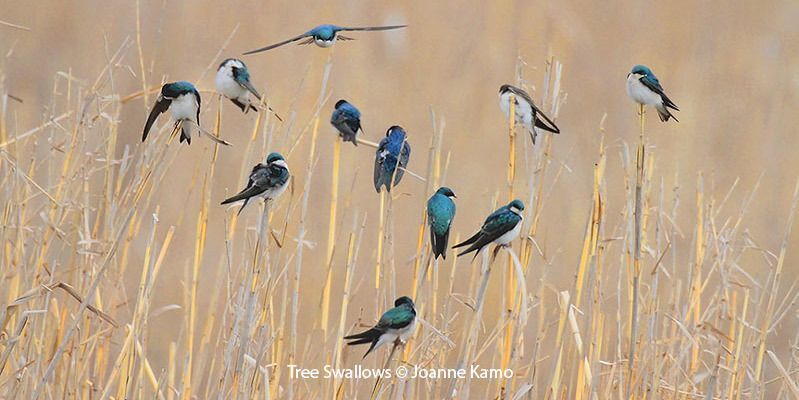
[(527, 113), (233, 81), (325, 36), (440, 212), (644, 88), (393, 150), (268, 180), (347, 119), (397, 323), (501, 227), (183, 99)]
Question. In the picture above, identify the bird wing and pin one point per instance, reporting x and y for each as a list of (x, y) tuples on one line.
[(243, 79), (278, 44), (497, 224), (257, 184), (160, 107), (543, 122), (199, 104), (380, 158), (652, 83), (404, 158), (396, 318), (371, 28)]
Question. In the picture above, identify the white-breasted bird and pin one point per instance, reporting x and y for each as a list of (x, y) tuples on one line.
[(644, 88), (527, 113)]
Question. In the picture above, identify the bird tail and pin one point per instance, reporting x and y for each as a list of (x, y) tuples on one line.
[(185, 134), (664, 113), (243, 195), (439, 243), (371, 336), (468, 241)]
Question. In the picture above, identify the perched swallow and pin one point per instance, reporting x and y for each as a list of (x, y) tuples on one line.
[(183, 100), (325, 36), (644, 88), (233, 81), (440, 212), (396, 323), (527, 113), (501, 227), (393, 150), (268, 180), (347, 119)]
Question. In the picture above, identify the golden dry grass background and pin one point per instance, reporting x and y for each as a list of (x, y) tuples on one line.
[(732, 69)]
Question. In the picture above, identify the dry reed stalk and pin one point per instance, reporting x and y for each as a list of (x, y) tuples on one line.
[(331, 234), (353, 249), (766, 321), (510, 284), (295, 295), (466, 357), (638, 233)]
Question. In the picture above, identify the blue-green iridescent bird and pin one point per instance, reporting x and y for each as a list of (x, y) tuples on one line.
[(183, 100), (395, 324), (391, 159), (501, 227), (347, 120), (644, 88), (268, 181), (325, 35), (440, 213)]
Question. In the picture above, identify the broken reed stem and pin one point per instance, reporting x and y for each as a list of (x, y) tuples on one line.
[(639, 163), (331, 234)]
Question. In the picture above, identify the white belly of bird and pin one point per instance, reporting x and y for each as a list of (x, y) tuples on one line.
[(274, 192), (392, 335), (229, 87), (324, 43), (510, 235), (524, 113), (184, 107), (640, 93)]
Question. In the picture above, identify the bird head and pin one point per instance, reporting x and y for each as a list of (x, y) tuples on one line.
[(274, 157), (340, 103), (446, 192), (234, 68), (504, 88), (640, 70), (516, 206), (403, 300), (324, 32), (396, 129)]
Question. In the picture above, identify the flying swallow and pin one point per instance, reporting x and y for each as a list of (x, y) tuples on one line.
[(395, 324), (183, 100), (347, 119), (644, 88), (325, 36), (527, 113), (392, 151), (268, 181), (501, 227), (440, 212)]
